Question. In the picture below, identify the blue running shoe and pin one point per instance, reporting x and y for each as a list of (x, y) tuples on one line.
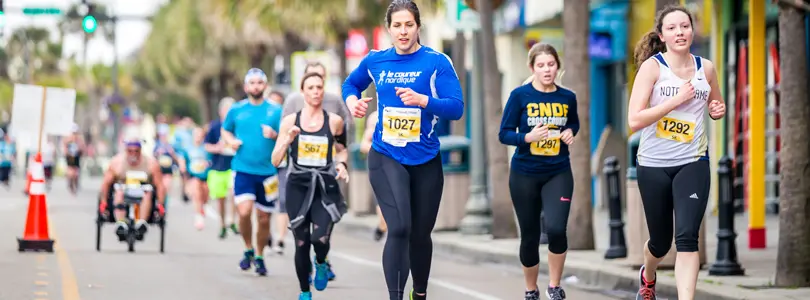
[(260, 268), (321, 276), (247, 260), (305, 296)]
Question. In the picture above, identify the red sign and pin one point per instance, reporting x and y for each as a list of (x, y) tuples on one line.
[(356, 45)]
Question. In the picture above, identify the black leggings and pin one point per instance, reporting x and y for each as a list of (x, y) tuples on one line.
[(409, 198), (682, 189), (317, 236), (532, 195)]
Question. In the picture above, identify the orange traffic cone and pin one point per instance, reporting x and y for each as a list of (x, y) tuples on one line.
[(35, 237)]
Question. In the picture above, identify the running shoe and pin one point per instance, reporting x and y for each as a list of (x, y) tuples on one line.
[(247, 260), (259, 264), (532, 295), (646, 290), (321, 276), (555, 293), (305, 296)]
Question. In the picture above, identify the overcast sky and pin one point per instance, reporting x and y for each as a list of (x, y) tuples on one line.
[(130, 34)]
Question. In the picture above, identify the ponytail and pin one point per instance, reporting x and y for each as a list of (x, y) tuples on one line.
[(649, 45)]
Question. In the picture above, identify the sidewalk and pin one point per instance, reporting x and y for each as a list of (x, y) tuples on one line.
[(591, 269)]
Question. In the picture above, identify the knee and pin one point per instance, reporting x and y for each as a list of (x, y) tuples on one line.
[(400, 230), (118, 196), (320, 240), (686, 240), (557, 239), (263, 219), (659, 247), (529, 248)]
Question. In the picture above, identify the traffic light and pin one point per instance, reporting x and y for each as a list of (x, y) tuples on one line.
[(89, 23)]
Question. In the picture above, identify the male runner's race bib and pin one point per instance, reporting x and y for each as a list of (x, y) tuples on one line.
[(165, 161), (199, 166), (548, 147), (312, 150), (401, 125), (271, 188), (676, 126)]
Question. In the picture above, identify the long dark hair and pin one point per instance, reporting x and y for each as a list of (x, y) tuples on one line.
[(651, 43)]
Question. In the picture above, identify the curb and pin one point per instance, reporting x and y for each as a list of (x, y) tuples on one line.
[(587, 274)]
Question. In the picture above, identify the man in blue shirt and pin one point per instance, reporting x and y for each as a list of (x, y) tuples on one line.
[(250, 128), (220, 178)]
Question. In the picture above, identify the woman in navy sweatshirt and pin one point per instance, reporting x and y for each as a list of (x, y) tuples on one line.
[(540, 118), (416, 86)]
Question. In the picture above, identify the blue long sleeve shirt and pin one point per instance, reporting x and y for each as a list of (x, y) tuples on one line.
[(528, 107), (406, 133)]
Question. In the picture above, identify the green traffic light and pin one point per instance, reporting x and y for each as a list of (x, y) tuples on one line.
[(89, 24)]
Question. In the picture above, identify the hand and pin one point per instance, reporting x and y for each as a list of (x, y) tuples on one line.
[(235, 144), (268, 132), (411, 98), (538, 133), (717, 109), (686, 92), (161, 209), (292, 133), (342, 173), (359, 107), (567, 137)]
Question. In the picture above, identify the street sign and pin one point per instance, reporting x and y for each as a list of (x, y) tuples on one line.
[(461, 16), (41, 11)]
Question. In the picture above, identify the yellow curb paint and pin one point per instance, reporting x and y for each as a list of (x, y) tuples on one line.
[(70, 289)]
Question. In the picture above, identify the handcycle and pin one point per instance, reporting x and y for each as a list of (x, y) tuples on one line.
[(133, 195)]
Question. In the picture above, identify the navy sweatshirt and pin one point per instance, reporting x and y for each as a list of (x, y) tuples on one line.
[(528, 107)]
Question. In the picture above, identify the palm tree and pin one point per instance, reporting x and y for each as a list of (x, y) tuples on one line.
[(576, 23), (503, 216), (793, 252)]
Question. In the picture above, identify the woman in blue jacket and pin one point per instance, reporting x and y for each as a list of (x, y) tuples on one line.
[(416, 86)]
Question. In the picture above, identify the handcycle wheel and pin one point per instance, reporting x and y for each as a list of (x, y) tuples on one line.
[(131, 242), (98, 234), (99, 223), (162, 225)]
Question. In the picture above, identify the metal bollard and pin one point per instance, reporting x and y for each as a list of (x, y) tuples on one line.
[(618, 247), (726, 263), (543, 235)]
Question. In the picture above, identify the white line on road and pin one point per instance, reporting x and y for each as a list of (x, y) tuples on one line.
[(438, 282)]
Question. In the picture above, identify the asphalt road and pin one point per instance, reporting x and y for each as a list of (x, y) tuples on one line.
[(198, 265)]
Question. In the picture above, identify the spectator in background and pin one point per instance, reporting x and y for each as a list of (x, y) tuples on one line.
[(276, 97)]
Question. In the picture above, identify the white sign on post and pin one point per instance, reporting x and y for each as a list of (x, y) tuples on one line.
[(461, 17), (27, 110)]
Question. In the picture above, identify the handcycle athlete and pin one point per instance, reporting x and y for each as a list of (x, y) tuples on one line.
[(134, 177)]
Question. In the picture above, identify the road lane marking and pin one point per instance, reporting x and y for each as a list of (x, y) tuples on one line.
[(70, 289), (40, 293), (447, 285), (40, 282)]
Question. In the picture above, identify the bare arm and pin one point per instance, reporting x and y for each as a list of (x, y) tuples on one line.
[(109, 178), (341, 155), (639, 114), (711, 74), (154, 168), (284, 140), (228, 137), (368, 135)]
